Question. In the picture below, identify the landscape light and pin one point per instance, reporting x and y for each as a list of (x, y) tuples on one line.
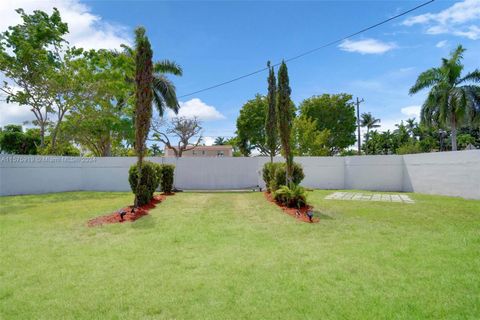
[(310, 215), (122, 214)]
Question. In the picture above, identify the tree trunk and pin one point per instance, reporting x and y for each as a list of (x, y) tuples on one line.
[(454, 133)]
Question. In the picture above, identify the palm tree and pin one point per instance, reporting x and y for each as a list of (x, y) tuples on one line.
[(452, 99), (219, 141), (412, 127), (164, 92), (369, 121)]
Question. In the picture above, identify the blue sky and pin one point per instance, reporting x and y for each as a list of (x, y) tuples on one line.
[(217, 41)]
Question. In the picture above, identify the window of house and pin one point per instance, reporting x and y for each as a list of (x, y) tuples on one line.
[(220, 154)]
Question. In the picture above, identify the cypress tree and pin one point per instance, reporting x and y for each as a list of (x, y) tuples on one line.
[(271, 120), (285, 119), (143, 98)]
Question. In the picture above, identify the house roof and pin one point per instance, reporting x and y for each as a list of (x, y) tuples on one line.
[(208, 148)]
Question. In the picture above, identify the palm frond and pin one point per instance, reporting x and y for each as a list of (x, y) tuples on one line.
[(168, 66), (473, 76), (426, 79), (164, 94)]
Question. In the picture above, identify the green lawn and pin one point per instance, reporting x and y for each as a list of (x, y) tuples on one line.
[(236, 256)]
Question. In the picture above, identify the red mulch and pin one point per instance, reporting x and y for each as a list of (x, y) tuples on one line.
[(300, 215), (139, 212)]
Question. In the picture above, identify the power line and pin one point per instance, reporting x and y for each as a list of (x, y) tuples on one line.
[(312, 50)]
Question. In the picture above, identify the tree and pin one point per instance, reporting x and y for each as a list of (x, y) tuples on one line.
[(143, 98), (369, 121), (308, 141), (101, 118), (271, 117), (285, 120), (335, 113), (181, 128), (30, 56), (452, 99), (163, 89), (14, 141), (251, 126), (220, 141), (155, 150)]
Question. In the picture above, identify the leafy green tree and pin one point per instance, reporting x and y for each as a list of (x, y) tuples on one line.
[(335, 113), (30, 56), (464, 140), (271, 118), (14, 141), (285, 119), (308, 140), (251, 126), (452, 99), (101, 118), (370, 122), (143, 99)]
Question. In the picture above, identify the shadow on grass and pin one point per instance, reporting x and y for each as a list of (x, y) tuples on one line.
[(322, 215), (145, 222)]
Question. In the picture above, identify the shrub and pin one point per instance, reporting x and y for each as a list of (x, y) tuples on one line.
[(409, 148), (168, 171), (274, 175), (281, 179), (268, 174), (295, 197), (148, 184)]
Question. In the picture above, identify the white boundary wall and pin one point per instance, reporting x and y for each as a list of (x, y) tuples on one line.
[(446, 173)]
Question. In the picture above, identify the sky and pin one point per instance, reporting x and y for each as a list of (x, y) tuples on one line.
[(220, 40)]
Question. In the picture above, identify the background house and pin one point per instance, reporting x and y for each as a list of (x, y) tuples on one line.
[(204, 151)]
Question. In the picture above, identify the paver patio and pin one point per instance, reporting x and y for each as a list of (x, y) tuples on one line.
[(370, 197)]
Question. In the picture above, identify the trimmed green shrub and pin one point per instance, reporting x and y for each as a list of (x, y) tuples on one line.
[(274, 175), (280, 178), (295, 197), (148, 184), (268, 174), (168, 171)]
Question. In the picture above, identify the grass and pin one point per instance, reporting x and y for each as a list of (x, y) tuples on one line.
[(236, 256)]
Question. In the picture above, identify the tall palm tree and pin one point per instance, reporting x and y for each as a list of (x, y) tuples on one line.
[(163, 89), (368, 121), (453, 99)]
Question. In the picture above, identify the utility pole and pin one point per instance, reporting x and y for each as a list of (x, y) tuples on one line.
[(358, 126)]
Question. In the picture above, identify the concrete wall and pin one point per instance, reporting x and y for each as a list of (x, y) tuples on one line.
[(447, 173)]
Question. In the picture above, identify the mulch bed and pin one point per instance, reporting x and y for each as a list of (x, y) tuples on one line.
[(139, 212), (299, 214)]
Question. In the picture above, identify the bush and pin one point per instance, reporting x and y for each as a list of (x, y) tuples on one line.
[(409, 148), (167, 175), (268, 174), (295, 197), (274, 175), (281, 179), (148, 184)]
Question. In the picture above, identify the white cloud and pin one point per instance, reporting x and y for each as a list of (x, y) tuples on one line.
[(441, 44), (460, 19), (12, 113), (412, 111), (87, 30), (209, 141), (197, 108), (366, 46)]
